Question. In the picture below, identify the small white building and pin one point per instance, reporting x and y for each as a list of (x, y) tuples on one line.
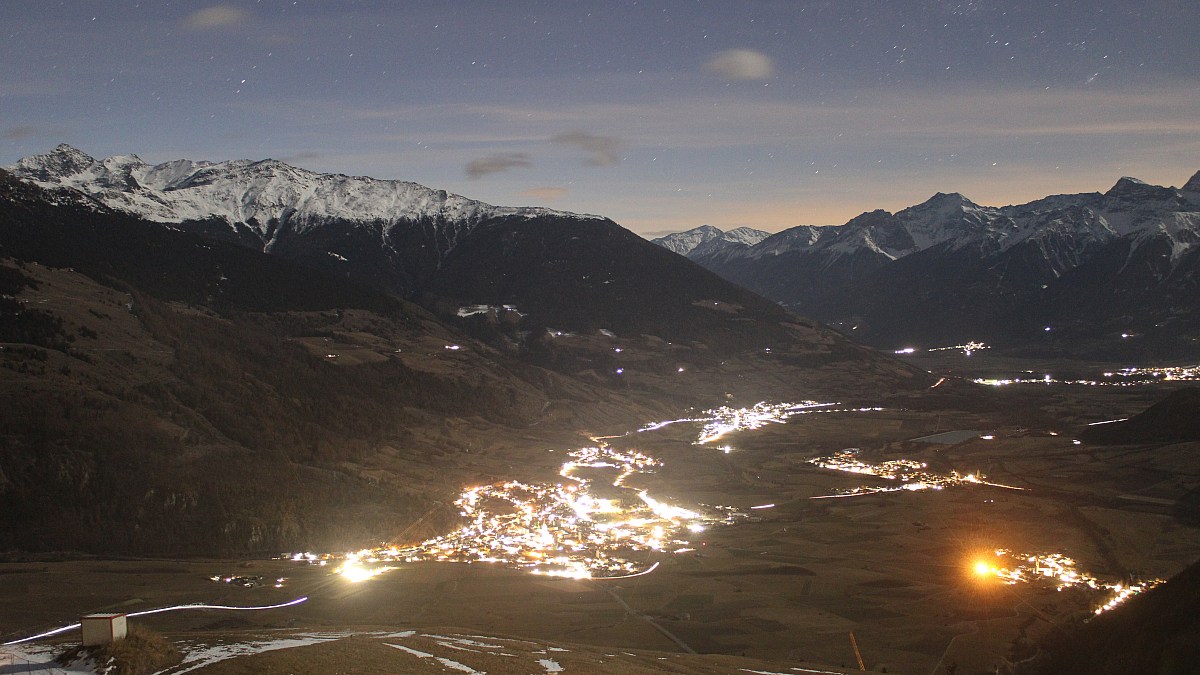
[(101, 629)]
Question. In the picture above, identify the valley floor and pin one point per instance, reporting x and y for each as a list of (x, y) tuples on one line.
[(792, 586)]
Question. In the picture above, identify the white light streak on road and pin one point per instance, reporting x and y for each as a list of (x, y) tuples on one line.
[(160, 610)]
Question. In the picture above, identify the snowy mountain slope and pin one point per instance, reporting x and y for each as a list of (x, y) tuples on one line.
[(1131, 207), (386, 233), (260, 194), (949, 265), (728, 244), (1191, 189), (685, 242), (795, 238), (747, 236), (707, 240)]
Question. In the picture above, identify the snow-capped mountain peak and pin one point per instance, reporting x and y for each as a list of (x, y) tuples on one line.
[(685, 242), (745, 235), (59, 163), (732, 242), (1132, 188), (1119, 261), (945, 201), (258, 194), (707, 240), (1193, 184)]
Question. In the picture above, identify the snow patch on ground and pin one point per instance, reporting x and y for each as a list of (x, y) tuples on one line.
[(39, 659), (453, 665), (211, 654)]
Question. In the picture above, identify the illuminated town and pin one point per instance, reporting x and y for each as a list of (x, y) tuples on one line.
[(726, 420), (591, 526), (557, 530), (594, 526), (911, 476), (1163, 374), (1056, 568), (719, 422), (1126, 377)]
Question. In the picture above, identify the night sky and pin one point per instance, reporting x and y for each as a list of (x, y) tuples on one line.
[(660, 115)]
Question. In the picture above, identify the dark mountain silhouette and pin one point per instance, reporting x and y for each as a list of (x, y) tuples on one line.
[(1175, 419), (1158, 632)]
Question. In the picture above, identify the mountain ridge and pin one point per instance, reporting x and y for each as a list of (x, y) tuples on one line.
[(949, 269), (410, 242), (387, 233), (268, 195)]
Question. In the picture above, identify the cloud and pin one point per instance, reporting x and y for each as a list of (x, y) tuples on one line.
[(20, 133), (300, 157), (602, 150), (741, 64), (503, 161), (217, 16), (545, 194)]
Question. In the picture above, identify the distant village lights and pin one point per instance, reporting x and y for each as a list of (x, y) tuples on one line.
[(562, 529), (726, 420), (911, 475), (1012, 568), (1126, 377), (967, 348), (558, 530)]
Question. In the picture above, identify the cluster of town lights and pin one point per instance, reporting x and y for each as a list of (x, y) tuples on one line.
[(560, 529), (726, 420), (1056, 568), (910, 475), (569, 529), (1126, 377), (1166, 373), (720, 422)]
